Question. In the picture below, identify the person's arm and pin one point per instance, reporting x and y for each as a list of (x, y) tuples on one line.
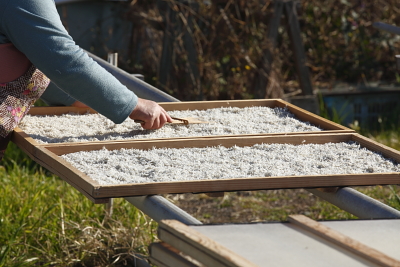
[(35, 28), (143, 111)]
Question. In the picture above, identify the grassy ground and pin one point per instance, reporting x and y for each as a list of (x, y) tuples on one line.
[(46, 222)]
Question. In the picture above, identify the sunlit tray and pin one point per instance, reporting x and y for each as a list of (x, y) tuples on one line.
[(49, 157)]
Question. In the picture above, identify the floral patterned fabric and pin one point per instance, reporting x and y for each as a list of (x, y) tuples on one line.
[(18, 96)]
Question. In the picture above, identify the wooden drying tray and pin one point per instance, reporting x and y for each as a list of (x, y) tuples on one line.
[(25, 142), (48, 157)]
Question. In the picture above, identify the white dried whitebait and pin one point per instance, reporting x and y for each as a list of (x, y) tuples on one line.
[(224, 121), (262, 160)]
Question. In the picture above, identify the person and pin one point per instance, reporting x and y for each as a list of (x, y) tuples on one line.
[(36, 48)]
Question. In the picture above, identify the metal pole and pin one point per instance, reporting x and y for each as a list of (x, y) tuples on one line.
[(159, 208), (112, 58), (386, 27), (139, 87), (358, 204)]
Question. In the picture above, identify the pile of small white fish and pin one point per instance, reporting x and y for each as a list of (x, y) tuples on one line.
[(126, 166), (222, 121)]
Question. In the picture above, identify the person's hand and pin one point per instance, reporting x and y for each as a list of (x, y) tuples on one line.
[(153, 115)]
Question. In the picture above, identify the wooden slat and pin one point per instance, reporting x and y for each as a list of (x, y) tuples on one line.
[(164, 254), (247, 184), (377, 147), (199, 246), (41, 111), (78, 146), (344, 241), (203, 142), (23, 141), (188, 249), (305, 115)]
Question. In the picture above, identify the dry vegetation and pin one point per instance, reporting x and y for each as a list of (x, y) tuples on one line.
[(218, 46)]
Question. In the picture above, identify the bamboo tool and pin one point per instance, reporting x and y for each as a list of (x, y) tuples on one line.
[(184, 121)]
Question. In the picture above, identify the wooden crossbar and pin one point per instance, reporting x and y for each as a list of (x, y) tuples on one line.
[(344, 241), (199, 246)]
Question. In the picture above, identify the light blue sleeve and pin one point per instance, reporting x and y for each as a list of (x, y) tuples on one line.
[(35, 28), (54, 96)]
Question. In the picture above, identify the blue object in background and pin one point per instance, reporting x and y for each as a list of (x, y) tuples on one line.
[(97, 26), (369, 109)]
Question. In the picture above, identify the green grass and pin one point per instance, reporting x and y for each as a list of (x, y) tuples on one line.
[(390, 138), (46, 222)]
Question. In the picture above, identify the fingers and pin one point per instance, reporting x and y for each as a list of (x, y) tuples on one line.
[(167, 116), (157, 121), (153, 115)]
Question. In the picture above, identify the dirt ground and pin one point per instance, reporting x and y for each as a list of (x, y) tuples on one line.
[(254, 206)]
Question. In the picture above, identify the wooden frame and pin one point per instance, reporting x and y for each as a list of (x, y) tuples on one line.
[(344, 241), (25, 142), (48, 156), (164, 255), (197, 246)]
